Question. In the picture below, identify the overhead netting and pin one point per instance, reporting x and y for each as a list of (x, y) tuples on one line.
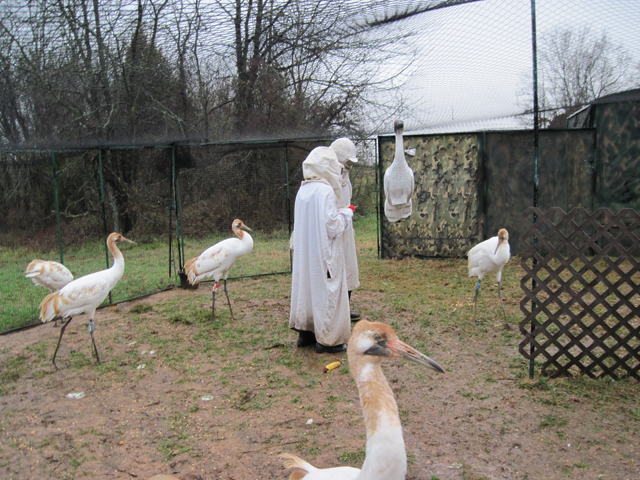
[(472, 67)]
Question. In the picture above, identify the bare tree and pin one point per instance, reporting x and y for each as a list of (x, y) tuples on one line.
[(576, 67), (304, 65), (122, 71), (579, 66)]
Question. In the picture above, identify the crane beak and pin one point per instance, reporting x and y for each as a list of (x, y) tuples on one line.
[(126, 240), (246, 229), (401, 349)]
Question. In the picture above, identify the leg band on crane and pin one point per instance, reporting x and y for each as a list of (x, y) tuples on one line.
[(478, 285)]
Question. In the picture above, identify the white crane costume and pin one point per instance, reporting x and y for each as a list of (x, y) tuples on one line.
[(319, 298), (345, 150)]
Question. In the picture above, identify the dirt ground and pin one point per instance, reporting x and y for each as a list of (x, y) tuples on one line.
[(206, 401)]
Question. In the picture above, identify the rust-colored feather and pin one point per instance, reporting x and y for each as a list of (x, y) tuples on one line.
[(48, 307), (189, 267), (300, 467)]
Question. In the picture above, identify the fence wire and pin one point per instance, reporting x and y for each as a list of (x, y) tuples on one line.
[(174, 201)]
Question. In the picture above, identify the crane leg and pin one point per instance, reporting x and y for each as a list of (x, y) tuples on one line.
[(53, 359), (92, 327), (475, 302), (213, 305), (506, 323), (228, 301)]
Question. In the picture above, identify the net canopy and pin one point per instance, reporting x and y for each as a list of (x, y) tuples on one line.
[(141, 72)]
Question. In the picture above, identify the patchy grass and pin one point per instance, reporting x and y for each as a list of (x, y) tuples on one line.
[(221, 399), (146, 270)]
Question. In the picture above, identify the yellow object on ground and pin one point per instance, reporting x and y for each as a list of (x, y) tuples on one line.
[(331, 366)]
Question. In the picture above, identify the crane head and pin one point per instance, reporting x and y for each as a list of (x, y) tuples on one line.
[(119, 238), (379, 339), (503, 237), (398, 125), (237, 223)]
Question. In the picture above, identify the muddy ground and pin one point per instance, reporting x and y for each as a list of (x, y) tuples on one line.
[(178, 394)]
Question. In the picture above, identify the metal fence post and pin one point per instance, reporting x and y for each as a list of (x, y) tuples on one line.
[(178, 202), (482, 187), (378, 198), (55, 197), (286, 171), (104, 213), (536, 121)]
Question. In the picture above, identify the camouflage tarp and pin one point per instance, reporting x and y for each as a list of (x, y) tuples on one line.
[(459, 201), (565, 159), (618, 155), (444, 222)]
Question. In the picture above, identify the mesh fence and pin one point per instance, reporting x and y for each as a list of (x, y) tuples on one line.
[(173, 201)]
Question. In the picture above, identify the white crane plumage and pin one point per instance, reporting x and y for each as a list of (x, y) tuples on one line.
[(386, 458), (490, 257), (216, 261), (398, 181), (48, 274), (84, 294)]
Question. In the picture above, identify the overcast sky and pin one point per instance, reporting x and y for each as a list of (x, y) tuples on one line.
[(475, 57)]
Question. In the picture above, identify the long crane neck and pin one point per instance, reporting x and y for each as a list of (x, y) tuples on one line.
[(118, 259), (386, 457), (245, 238), (399, 156)]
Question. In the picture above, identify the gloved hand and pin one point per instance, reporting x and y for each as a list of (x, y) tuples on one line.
[(347, 212)]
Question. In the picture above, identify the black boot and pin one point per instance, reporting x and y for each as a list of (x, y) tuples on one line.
[(334, 349), (306, 339), (354, 316)]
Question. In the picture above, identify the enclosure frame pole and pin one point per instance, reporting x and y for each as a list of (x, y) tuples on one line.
[(179, 224), (536, 127), (286, 170), (482, 187), (378, 198), (171, 207), (104, 213), (55, 199)]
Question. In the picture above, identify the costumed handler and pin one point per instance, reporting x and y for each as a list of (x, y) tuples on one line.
[(345, 150), (319, 295)]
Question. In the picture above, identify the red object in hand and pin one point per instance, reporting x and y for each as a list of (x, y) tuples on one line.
[(352, 207)]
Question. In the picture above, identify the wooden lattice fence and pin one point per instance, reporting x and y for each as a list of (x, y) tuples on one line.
[(581, 292)]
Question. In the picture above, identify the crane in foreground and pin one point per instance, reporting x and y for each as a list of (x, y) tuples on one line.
[(84, 294), (216, 261), (398, 181), (48, 274), (490, 257), (386, 458)]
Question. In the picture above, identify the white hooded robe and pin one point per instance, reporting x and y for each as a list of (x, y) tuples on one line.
[(349, 237), (319, 296)]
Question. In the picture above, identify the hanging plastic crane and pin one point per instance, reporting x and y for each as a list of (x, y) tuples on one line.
[(398, 181), (216, 261), (386, 458), (84, 294), (490, 257)]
